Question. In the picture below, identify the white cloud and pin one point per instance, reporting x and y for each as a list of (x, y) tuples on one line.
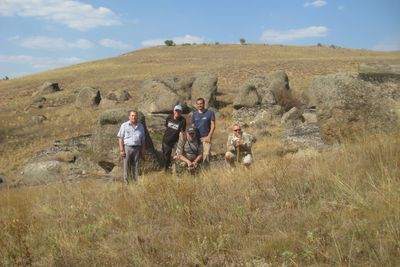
[(109, 43), (387, 45), (274, 36), (13, 38), (40, 62), (43, 42), (153, 42), (72, 13), (187, 39), (317, 3)]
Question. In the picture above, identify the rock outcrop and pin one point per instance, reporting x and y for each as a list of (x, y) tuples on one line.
[(263, 99), (88, 97), (160, 96), (347, 105), (48, 88)]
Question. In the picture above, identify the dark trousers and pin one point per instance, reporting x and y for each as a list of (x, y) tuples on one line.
[(167, 151), (131, 163)]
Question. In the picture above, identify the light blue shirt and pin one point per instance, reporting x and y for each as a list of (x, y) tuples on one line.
[(132, 136)]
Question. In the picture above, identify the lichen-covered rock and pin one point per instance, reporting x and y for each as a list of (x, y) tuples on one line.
[(88, 97), (347, 105), (205, 86)]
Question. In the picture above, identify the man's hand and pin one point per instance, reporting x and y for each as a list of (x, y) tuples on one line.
[(207, 139), (122, 154)]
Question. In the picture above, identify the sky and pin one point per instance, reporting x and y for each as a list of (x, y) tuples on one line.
[(38, 35)]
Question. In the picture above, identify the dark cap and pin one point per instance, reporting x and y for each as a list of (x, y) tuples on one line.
[(191, 130)]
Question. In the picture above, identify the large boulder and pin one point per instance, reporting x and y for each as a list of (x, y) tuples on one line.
[(347, 105), (205, 86), (105, 148), (65, 161), (157, 97), (88, 97), (182, 86), (48, 88), (270, 89), (249, 94)]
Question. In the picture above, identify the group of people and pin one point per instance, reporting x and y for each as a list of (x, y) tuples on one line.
[(193, 145)]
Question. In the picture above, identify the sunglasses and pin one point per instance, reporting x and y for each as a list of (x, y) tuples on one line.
[(237, 130)]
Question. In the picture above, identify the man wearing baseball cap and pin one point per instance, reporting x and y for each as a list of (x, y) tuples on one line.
[(175, 124), (189, 152)]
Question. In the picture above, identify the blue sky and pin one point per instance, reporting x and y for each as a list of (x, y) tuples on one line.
[(37, 35)]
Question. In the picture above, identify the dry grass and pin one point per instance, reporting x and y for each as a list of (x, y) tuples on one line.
[(338, 208)]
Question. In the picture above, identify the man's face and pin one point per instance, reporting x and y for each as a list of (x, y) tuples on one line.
[(191, 136), (133, 117), (236, 130), (200, 104), (177, 113)]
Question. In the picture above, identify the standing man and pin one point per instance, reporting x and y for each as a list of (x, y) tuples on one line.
[(175, 125), (239, 147), (204, 121), (131, 140)]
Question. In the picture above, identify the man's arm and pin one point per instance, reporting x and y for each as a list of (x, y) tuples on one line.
[(210, 134), (143, 142), (229, 144), (121, 147), (198, 159)]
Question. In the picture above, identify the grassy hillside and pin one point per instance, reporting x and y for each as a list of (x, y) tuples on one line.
[(233, 64), (340, 208), (337, 208)]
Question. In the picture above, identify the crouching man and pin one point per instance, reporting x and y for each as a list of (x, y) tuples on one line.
[(239, 147), (189, 152)]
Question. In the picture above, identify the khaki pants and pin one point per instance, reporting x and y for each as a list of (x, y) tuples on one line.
[(206, 151), (231, 157)]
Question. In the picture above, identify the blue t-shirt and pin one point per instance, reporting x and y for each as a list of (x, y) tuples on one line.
[(202, 121)]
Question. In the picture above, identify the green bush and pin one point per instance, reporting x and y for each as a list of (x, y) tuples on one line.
[(169, 43)]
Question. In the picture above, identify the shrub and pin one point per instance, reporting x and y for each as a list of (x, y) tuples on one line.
[(242, 41), (169, 43)]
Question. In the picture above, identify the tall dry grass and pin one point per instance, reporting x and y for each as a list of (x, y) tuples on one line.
[(339, 208)]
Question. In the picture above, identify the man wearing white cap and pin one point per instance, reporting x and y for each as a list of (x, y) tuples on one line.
[(175, 125)]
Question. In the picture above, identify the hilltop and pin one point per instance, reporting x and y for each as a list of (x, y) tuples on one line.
[(231, 64)]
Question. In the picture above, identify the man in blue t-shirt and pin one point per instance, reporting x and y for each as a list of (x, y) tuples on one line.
[(204, 120)]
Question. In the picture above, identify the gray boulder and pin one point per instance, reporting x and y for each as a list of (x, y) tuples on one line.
[(270, 89), (248, 95), (293, 116), (48, 88), (182, 86), (205, 86), (157, 97), (37, 119), (119, 96), (88, 97), (347, 105), (63, 162)]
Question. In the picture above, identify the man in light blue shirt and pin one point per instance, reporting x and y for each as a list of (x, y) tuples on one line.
[(131, 141)]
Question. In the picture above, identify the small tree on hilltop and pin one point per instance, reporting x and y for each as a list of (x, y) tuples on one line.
[(242, 41), (169, 43)]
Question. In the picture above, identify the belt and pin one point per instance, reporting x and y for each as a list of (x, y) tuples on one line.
[(134, 146)]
